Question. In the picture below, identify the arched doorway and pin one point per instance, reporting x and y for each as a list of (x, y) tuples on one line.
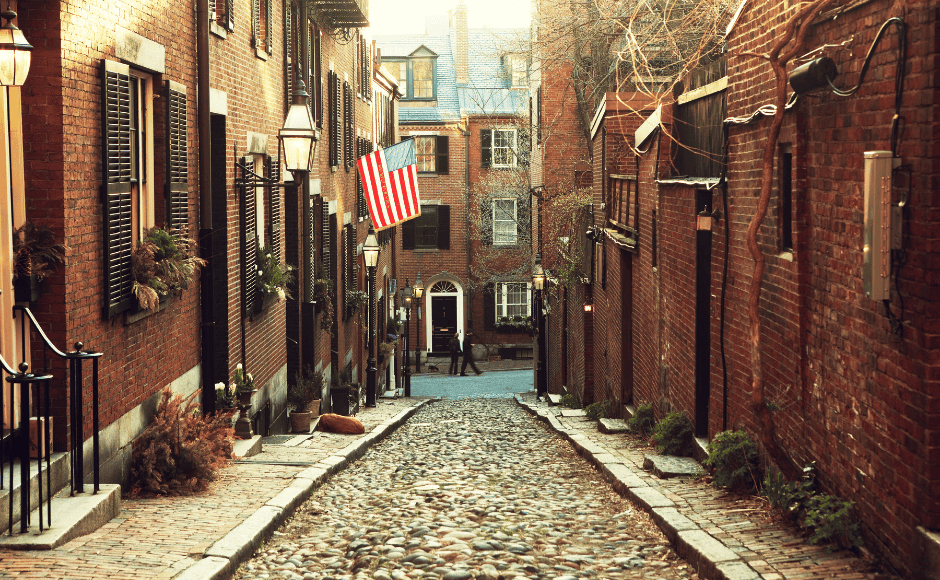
[(445, 305)]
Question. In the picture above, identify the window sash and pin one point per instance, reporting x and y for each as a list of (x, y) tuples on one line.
[(426, 150), (505, 230), (512, 299), (423, 77), (504, 141), (399, 70), (426, 226)]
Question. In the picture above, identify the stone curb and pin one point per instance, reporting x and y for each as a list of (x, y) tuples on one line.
[(711, 559), (221, 559)]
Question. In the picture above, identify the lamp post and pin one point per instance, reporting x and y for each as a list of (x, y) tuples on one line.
[(15, 52), (407, 294), (370, 252), (418, 292), (538, 282)]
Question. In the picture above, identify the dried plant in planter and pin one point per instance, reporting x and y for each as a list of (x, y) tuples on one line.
[(35, 251), (163, 262), (181, 450)]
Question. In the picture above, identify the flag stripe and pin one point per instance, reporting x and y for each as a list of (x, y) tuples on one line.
[(392, 196)]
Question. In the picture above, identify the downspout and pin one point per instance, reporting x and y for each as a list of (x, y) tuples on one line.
[(205, 204), (466, 229)]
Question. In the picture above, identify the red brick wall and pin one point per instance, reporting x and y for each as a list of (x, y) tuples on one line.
[(62, 118)]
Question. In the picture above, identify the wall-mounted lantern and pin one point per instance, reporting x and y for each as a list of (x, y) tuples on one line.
[(15, 52)]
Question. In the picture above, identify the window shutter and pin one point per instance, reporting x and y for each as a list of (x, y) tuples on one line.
[(317, 36), (486, 222), (523, 146), (538, 114), (325, 254), (350, 145), (288, 54), (249, 249), (314, 209), (489, 307), (274, 206), (177, 158), (337, 120), (443, 155), (117, 186), (349, 280), (255, 22), (367, 63), (331, 114), (268, 37), (486, 151), (443, 227), (229, 21), (408, 235)]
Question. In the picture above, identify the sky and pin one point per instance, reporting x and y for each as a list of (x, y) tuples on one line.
[(407, 16)]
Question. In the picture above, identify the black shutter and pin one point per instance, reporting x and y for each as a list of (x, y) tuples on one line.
[(443, 227), (118, 240), (177, 158), (368, 64), (288, 54), (408, 235), (486, 222), (274, 206), (350, 149), (349, 279), (337, 120), (325, 253), (443, 155), (331, 115), (319, 77), (489, 307), (523, 146), (268, 37), (486, 144), (229, 21), (255, 23), (249, 248)]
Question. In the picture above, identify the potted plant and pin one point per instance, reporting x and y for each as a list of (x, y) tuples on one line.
[(303, 399), (243, 384), (339, 391), (162, 263), (356, 302), (35, 254), (224, 396), (273, 278)]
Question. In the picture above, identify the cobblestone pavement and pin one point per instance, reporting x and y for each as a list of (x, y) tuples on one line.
[(468, 488), (772, 549), (158, 538)]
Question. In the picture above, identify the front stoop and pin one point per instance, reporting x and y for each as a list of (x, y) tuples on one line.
[(58, 474), (247, 447), (931, 554), (72, 516)]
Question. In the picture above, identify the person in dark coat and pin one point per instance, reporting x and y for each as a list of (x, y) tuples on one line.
[(454, 347), (468, 356)]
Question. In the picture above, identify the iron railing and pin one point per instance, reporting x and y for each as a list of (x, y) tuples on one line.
[(20, 436)]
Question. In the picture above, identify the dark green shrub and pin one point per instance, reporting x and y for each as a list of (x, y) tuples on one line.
[(789, 498), (673, 435), (570, 401), (598, 410), (832, 520), (734, 458), (642, 421)]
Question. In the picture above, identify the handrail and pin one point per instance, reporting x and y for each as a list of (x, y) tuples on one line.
[(77, 353)]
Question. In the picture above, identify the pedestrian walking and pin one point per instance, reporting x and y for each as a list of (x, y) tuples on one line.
[(454, 347), (468, 356)]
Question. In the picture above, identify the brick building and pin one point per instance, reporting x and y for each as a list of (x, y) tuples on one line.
[(847, 341), (465, 103)]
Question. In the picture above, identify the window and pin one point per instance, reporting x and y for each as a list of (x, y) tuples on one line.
[(505, 232), (433, 153), (786, 198), (222, 11), (262, 12), (423, 78), (399, 70), (498, 148), (516, 70), (512, 299), (430, 230), (128, 172)]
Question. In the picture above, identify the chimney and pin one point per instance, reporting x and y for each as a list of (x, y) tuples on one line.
[(461, 43)]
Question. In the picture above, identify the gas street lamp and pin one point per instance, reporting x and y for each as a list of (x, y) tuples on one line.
[(298, 136), (418, 292), (15, 52), (370, 252), (407, 294), (538, 282)]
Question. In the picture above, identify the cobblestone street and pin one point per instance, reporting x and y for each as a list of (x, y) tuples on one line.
[(467, 488)]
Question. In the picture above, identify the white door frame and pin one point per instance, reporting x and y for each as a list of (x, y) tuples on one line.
[(428, 326)]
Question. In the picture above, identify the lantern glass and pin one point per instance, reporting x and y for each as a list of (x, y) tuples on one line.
[(15, 56), (370, 249), (418, 287), (704, 221), (298, 137)]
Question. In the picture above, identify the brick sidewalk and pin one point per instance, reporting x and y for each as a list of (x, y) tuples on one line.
[(770, 549), (159, 538)]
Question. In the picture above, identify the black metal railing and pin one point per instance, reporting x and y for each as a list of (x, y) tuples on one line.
[(35, 388)]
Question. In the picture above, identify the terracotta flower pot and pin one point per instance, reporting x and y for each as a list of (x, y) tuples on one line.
[(300, 422)]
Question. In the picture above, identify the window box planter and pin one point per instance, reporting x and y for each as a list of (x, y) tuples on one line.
[(27, 289)]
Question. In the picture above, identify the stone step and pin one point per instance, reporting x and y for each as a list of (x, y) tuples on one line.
[(72, 516), (554, 399), (59, 473), (247, 447), (606, 425)]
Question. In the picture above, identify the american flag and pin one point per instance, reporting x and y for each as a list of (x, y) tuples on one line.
[(390, 183)]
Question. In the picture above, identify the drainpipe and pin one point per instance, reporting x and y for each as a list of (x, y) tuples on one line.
[(466, 230), (205, 204)]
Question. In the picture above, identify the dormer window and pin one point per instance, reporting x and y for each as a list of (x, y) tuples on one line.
[(416, 74), (516, 70)]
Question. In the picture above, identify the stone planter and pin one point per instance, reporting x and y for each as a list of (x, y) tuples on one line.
[(339, 399)]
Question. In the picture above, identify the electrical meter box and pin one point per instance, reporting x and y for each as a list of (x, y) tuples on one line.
[(877, 237)]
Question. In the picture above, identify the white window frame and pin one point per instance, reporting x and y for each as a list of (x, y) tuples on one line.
[(513, 238), (510, 148), (422, 167), (258, 166), (502, 299), (142, 192)]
